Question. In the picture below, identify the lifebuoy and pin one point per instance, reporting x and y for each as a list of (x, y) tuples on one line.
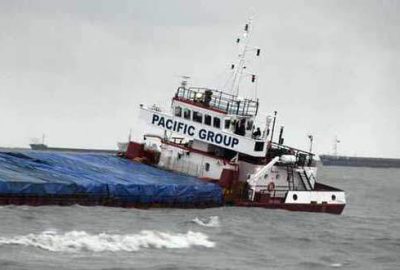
[(271, 186)]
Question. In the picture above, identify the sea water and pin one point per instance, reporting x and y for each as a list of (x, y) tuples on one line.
[(365, 236)]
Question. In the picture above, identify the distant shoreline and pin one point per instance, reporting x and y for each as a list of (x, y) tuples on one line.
[(62, 149)]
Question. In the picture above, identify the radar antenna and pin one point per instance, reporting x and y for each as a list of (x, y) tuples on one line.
[(184, 81)]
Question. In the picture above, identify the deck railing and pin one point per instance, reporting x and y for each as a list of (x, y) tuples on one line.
[(219, 100)]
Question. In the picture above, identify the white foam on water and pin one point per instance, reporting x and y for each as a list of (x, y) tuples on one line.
[(212, 221), (76, 241), (336, 265)]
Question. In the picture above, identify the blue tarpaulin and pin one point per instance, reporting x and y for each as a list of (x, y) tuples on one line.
[(42, 173)]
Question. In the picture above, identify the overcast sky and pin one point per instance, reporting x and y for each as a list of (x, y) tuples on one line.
[(77, 70)]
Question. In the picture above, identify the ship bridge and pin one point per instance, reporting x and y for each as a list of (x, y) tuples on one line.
[(211, 117)]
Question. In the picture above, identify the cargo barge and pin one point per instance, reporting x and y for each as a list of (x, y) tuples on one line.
[(58, 178)]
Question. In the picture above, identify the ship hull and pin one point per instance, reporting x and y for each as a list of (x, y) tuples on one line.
[(60, 200), (321, 199), (85, 201)]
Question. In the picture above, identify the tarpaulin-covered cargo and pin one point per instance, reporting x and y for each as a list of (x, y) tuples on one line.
[(30, 177)]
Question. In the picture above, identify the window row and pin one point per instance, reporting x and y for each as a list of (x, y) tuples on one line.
[(197, 117)]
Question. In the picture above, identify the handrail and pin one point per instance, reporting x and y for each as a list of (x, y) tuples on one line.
[(307, 178), (291, 148), (228, 103)]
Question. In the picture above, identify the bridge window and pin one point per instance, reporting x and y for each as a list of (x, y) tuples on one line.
[(186, 114), (197, 117), (227, 124), (178, 111), (217, 122), (259, 146), (249, 125), (207, 119)]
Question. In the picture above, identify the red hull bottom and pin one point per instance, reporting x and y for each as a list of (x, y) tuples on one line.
[(319, 208), (67, 201)]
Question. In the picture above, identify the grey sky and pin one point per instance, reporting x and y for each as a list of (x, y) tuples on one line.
[(77, 70)]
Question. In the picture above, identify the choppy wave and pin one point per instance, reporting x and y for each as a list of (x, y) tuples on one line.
[(76, 241), (212, 221)]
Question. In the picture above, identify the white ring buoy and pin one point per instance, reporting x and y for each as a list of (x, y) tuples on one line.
[(271, 186)]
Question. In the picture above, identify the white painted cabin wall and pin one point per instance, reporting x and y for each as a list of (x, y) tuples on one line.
[(192, 164), (244, 144), (277, 175), (202, 146)]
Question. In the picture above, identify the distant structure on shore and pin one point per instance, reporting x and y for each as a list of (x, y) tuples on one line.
[(349, 161), (41, 146), (352, 161), (44, 147)]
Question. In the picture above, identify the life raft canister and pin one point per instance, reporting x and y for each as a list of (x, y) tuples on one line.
[(271, 186)]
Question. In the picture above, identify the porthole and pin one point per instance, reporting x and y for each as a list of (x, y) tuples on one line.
[(333, 197), (277, 176), (294, 197), (265, 176)]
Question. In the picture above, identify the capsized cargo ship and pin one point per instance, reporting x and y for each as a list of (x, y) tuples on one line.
[(211, 134), (208, 153)]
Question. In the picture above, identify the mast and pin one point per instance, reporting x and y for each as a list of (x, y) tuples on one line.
[(239, 70), (311, 138), (335, 146), (273, 127)]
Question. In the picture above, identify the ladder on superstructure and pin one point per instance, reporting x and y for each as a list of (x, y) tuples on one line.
[(305, 180), (290, 177)]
